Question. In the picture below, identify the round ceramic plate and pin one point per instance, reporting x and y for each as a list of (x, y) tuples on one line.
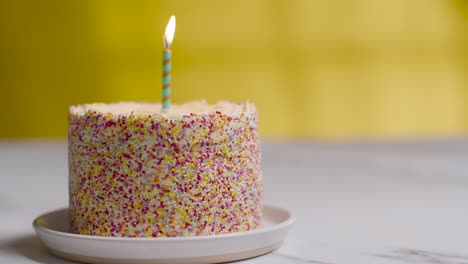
[(52, 229)]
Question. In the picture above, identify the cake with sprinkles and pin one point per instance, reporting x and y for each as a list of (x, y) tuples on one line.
[(135, 171)]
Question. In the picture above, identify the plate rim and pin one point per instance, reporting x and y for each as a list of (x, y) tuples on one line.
[(220, 258), (291, 218)]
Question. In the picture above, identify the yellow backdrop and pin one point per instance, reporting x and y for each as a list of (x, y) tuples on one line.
[(321, 69)]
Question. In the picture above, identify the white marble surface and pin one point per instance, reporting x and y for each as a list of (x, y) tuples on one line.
[(395, 202)]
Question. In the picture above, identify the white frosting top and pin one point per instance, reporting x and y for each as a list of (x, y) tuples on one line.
[(196, 107)]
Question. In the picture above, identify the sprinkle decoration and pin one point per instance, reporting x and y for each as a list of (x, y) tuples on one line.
[(140, 175)]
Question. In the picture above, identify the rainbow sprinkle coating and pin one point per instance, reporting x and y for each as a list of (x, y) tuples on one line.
[(153, 175)]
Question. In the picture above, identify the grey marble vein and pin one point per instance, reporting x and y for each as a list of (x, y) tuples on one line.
[(292, 258), (407, 255)]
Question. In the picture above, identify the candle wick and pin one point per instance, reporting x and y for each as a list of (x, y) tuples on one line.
[(166, 43)]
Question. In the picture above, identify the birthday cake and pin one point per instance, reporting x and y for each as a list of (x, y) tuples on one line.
[(135, 171)]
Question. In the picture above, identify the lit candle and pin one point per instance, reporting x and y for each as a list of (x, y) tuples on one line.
[(167, 55)]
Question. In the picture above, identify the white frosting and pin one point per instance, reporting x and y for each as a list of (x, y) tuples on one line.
[(198, 107)]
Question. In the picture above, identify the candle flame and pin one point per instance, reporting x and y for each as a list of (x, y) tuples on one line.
[(169, 34)]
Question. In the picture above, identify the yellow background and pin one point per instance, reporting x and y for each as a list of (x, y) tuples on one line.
[(315, 69)]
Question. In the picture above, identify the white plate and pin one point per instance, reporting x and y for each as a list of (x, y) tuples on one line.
[(52, 229)]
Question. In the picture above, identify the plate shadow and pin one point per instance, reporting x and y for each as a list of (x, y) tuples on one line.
[(31, 247)]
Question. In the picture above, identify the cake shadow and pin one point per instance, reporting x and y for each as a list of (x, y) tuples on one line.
[(31, 247)]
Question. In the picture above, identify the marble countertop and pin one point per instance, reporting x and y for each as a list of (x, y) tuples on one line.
[(393, 202)]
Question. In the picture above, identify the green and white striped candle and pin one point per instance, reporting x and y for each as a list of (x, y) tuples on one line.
[(167, 65)]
